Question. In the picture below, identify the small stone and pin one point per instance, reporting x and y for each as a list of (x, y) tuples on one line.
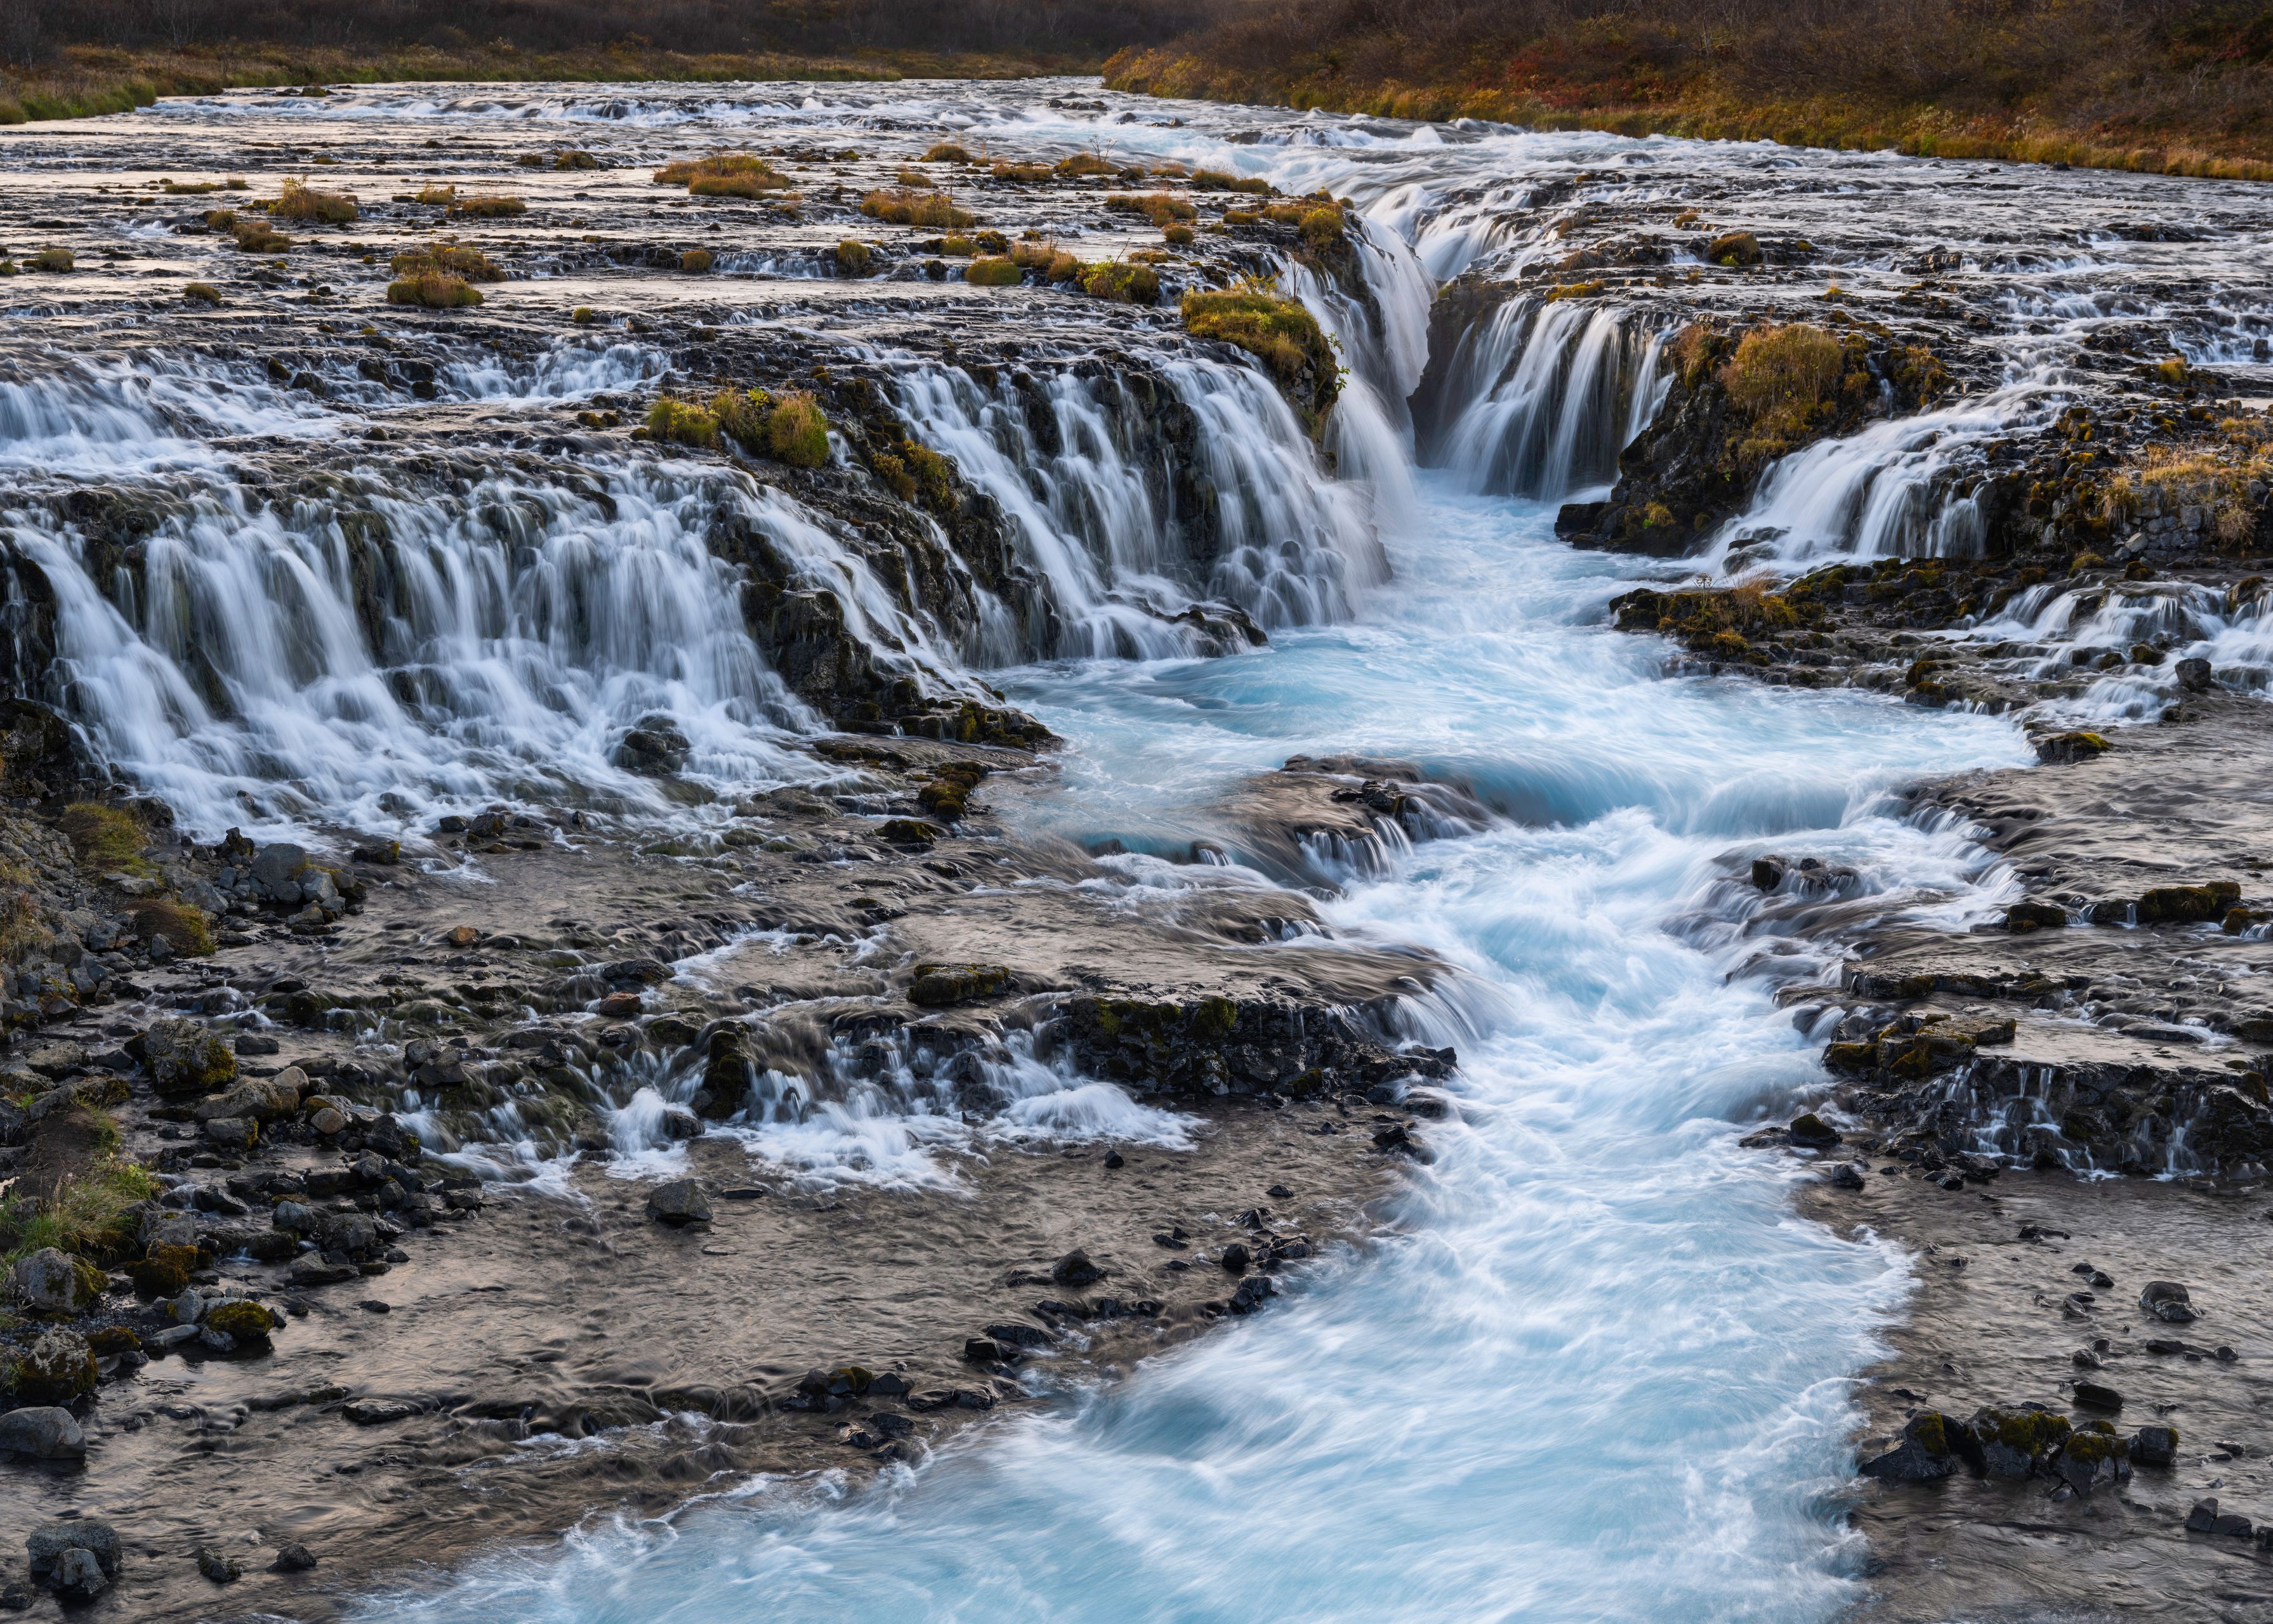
[(2094, 1396), (680, 1201), (1113, 1158), (1236, 1259), (371, 1304), (1279, 1192), (462, 935), (378, 1411), (15, 1596), (2155, 1445), (44, 1432), (219, 1569), (1075, 1270), (51, 1549), (292, 1558), (1847, 1176), (2203, 1517), (984, 1351), (1811, 1130), (78, 1574)]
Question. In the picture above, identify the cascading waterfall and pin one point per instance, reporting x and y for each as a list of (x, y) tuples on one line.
[(1898, 489), (1122, 544), (1539, 399)]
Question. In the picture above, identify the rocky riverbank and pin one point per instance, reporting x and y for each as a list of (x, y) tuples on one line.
[(380, 1201)]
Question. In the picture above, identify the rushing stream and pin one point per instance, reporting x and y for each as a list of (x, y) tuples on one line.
[(1594, 1368)]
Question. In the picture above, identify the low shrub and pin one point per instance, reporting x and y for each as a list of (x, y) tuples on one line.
[(947, 151), (1219, 180), (1270, 326), (697, 260), (1160, 207), (1737, 248), (583, 315), (1781, 377), (450, 259), (1178, 233), (993, 272), (201, 292), (104, 838), (1084, 163), (92, 1216), (1055, 262), (487, 205), (299, 200), (576, 159), (682, 423), (854, 257), (52, 259), (188, 189), (435, 290), (797, 432), (1021, 173), (1324, 228), (915, 208), (185, 927), (437, 196), (1122, 283), (257, 236), (723, 174)]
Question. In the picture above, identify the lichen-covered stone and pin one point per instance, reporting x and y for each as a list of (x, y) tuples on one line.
[(943, 986), (49, 1281), (183, 1058), (56, 1368)]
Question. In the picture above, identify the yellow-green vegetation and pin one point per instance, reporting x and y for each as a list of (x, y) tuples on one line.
[(1123, 281), (164, 1270), (1573, 290), (853, 257), (487, 205), (905, 207), (2165, 479), (1720, 621), (723, 174), (917, 472), (1021, 173), (1160, 207), (254, 235), (575, 158), (1783, 378), (433, 290), (696, 260), (1264, 322), (682, 424), (1178, 233), (583, 315), (1055, 262), (299, 200), (993, 273), (1220, 180), (797, 432), (788, 427), (109, 839), (188, 189), (1736, 249), (8, 268), (947, 151), (1084, 163), (201, 292), (436, 197), (88, 1216), (182, 925), (450, 259), (51, 260)]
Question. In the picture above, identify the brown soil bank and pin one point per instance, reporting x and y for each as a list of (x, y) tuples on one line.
[(2176, 87)]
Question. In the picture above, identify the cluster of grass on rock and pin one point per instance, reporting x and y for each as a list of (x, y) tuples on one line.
[(788, 427), (916, 472), (487, 205), (299, 201), (724, 174), (1784, 379), (906, 206)]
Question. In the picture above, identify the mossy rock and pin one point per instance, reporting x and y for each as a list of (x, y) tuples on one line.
[(112, 1340), (908, 832), (56, 1368), (248, 1323), (943, 986), (165, 1271), (183, 1058)]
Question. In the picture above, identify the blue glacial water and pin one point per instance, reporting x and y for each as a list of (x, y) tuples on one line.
[(1592, 1368)]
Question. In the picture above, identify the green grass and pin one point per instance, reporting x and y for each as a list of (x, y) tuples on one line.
[(89, 1219)]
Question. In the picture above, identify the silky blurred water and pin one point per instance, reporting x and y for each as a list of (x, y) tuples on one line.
[(1596, 1369)]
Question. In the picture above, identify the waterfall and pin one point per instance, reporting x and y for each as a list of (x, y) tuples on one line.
[(1136, 498), (1539, 399), (1898, 489)]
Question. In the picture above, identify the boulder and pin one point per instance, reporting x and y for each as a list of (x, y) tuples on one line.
[(943, 986), (2168, 1301), (2155, 1445), (248, 1324), (680, 1201), (183, 1058), (2094, 1458), (42, 1432), (259, 1099), (56, 1368), (1811, 1130), (232, 1133), (49, 1281), (52, 1547), (280, 872), (1925, 1452), (2092, 1396), (295, 1557)]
